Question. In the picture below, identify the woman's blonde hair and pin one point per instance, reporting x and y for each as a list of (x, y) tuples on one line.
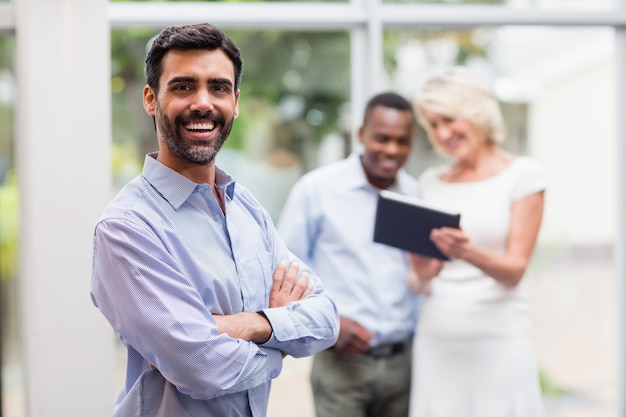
[(456, 93)]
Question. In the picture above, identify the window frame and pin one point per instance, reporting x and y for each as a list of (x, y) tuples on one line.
[(365, 20)]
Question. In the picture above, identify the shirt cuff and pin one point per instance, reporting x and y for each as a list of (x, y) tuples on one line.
[(275, 359), (281, 331)]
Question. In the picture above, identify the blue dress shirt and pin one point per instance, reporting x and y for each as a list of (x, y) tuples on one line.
[(328, 221), (166, 259)]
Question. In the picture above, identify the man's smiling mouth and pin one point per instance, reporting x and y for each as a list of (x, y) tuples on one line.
[(200, 127)]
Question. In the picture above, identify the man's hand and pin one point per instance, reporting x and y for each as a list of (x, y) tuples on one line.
[(353, 338), (252, 327), (287, 287), (255, 327)]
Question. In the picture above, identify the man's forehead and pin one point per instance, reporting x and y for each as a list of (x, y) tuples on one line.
[(198, 63)]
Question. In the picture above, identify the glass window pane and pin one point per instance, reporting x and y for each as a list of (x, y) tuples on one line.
[(569, 5), (451, 2), (293, 103), (11, 362), (556, 87), (229, 1)]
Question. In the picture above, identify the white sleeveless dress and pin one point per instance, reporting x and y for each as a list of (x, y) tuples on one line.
[(473, 353)]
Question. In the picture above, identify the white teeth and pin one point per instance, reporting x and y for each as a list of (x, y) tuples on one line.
[(389, 164), (200, 126), (452, 141)]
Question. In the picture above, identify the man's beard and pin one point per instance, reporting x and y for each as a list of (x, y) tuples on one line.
[(194, 151)]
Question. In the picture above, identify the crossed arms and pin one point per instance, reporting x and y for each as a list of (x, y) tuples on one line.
[(255, 327)]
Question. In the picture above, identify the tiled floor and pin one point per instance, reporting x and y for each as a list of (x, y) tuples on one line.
[(576, 318)]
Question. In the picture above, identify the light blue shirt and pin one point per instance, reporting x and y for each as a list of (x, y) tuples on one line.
[(328, 221), (166, 259)]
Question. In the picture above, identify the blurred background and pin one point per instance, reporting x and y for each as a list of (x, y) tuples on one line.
[(557, 67)]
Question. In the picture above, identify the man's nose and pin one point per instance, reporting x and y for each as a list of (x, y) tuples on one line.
[(392, 147), (202, 102)]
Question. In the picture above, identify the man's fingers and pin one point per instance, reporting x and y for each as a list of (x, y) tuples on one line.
[(301, 286), (309, 290), (288, 280), (279, 274), (290, 277), (287, 286)]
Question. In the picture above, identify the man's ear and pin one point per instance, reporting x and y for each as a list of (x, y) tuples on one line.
[(237, 103), (361, 135), (149, 100)]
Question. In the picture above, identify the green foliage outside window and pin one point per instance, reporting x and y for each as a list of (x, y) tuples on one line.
[(312, 67), (9, 203)]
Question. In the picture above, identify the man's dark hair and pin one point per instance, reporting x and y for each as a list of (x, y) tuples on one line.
[(388, 99), (189, 37)]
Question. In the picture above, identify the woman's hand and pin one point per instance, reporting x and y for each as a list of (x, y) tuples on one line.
[(508, 268), (453, 243), (424, 270)]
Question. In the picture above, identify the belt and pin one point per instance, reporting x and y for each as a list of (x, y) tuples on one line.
[(388, 350)]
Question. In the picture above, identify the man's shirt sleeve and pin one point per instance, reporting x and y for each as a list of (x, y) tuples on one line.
[(297, 224), (154, 308)]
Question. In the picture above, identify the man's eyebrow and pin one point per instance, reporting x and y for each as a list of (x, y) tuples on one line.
[(220, 81), (190, 79), (182, 79)]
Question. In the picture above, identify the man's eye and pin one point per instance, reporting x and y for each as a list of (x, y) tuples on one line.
[(220, 88), (182, 87)]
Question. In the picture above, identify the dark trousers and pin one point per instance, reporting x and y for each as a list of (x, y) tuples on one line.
[(361, 385)]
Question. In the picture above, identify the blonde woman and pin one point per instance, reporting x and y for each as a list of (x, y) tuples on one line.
[(473, 354)]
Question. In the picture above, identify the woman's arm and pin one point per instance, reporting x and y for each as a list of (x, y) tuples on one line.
[(508, 269)]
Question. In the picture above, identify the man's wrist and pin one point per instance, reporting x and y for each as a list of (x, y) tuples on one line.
[(265, 329)]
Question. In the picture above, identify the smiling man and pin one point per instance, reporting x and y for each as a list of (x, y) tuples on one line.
[(328, 221), (187, 266)]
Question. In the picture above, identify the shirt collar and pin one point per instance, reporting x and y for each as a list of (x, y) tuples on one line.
[(176, 188), (357, 179)]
